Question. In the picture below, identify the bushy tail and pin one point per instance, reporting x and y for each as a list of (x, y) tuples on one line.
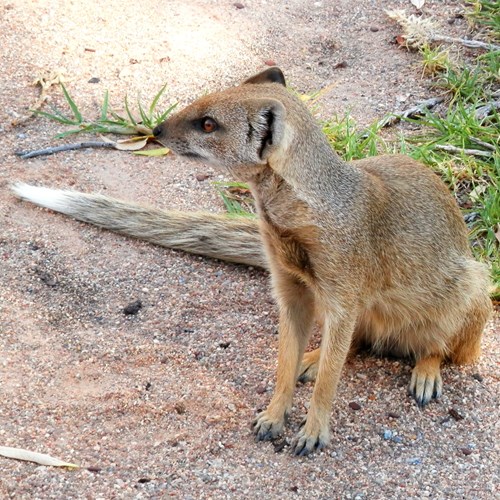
[(228, 238)]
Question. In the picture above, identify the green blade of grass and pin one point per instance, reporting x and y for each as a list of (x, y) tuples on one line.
[(127, 109), (104, 109), (72, 105), (156, 98)]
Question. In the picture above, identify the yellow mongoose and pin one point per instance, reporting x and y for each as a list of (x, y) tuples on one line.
[(375, 250)]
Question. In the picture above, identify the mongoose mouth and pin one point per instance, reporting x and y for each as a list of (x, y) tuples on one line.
[(190, 154)]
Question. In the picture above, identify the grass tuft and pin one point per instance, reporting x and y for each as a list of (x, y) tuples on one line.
[(109, 121)]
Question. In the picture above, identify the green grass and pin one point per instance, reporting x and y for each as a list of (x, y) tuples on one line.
[(141, 122)]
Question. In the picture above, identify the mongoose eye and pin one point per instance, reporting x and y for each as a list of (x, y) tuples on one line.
[(208, 125)]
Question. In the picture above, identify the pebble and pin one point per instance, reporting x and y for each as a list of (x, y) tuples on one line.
[(414, 461), (132, 308), (454, 413), (354, 406)]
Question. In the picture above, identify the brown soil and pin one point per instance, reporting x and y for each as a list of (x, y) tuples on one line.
[(159, 403)]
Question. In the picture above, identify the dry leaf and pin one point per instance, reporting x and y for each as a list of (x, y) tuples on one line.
[(31, 456), (475, 194), (418, 3), (132, 144), (154, 152)]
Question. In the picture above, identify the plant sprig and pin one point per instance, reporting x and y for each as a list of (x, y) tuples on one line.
[(109, 121)]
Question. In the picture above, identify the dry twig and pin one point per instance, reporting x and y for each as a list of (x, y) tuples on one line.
[(472, 152), (65, 147), (417, 110)]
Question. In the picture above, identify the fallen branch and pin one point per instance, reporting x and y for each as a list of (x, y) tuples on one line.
[(479, 142), (472, 44), (65, 147), (412, 112), (487, 109), (472, 152)]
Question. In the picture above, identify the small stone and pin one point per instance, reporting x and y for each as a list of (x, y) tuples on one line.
[(94, 79), (478, 377), (466, 451), (180, 408), (238, 5), (387, 434), (47, 278), (224, 345), (94, 469), (374, 29), (202, 177), (270, 62), (261, 389), (144, 480), (354, 406), (133, 308), (341, 64), (148, 386), (454, 413), (279, 446), (391, 414)]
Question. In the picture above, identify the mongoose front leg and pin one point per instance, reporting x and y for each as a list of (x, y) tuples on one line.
[(426, 382), (296, 318), (315, 433)]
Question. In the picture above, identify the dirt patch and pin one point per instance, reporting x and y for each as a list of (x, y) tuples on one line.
[(158, 403)]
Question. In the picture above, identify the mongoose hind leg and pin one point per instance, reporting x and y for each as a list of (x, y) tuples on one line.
[(465, 348), (426, 382), (309, 366), (310, 362)]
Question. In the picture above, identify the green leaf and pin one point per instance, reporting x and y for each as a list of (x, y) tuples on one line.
[(104, 110), (56, 118), (153, 152), (72, 105), (156, 99), (127, 109)]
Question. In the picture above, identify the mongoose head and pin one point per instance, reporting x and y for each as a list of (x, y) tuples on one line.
[(240, 129)]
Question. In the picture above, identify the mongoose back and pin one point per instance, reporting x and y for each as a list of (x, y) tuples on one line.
[(375, 250)]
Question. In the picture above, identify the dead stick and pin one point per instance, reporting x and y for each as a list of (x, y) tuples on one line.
[(487, 109), (410, 112), (472, 44), (472, 152), (65, 147), (485, 145)]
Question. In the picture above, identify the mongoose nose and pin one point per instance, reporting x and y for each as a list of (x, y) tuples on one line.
[(157, 130)]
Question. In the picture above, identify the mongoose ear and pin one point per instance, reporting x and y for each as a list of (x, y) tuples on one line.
[(271, 75), (266, 121)]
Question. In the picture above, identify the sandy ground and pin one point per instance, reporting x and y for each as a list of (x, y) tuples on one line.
[(159, 404)]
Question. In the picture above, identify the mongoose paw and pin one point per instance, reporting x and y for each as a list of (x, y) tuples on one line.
[(307, 442), (266, 428), (426, 382), (309, 367)]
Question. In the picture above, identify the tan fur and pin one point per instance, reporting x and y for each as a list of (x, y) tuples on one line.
[(375, 250)]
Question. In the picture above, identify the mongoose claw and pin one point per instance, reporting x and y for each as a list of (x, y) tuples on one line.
[(265, 428), (304, 443), (425, 385)]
